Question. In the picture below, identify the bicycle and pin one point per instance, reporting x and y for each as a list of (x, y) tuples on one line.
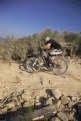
[(36, 63)]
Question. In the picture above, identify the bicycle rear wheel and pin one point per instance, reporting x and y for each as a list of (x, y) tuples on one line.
[(32, 65), (60, 66)]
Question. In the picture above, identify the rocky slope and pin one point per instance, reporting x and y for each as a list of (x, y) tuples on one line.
[(19, 88)]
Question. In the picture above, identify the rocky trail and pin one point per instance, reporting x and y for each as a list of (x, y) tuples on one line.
[(15, 82)]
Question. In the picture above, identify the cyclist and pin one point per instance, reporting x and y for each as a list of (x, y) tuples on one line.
[(53, 46)]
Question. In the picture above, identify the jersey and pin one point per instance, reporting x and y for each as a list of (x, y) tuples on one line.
[(54, 44)]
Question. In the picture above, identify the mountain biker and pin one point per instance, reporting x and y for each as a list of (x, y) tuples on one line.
[(53, 46)]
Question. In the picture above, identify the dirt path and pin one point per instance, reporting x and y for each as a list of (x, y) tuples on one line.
[(11, 78)]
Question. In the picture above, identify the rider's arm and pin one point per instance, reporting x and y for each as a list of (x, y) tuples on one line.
[(47, 46)]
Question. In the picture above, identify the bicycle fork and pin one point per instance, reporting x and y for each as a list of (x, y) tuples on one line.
[(35, 62)]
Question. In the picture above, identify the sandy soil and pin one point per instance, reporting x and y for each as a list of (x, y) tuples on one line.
[(12, 78)]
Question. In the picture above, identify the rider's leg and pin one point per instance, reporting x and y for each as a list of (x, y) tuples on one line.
[(50, 58), (54, 53)]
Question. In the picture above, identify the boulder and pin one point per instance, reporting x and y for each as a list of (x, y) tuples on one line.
[(56, 93), (65, 100), (49, 101), (57, 119), (62, 116)]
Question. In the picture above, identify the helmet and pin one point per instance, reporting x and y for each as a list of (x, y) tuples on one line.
[(47, 39)]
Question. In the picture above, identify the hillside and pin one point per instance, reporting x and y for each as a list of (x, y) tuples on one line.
[(11, 78)]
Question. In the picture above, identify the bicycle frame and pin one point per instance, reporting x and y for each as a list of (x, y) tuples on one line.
[(40, 62)]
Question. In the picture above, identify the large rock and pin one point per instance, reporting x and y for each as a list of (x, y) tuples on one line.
[(61, 108), (62, 116), (57, 119), (56, 93), (70, 105), (57, 105), (65, 100), (49, 101)]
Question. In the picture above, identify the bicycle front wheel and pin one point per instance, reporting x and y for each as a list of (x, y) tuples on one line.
[(60, 66), (32, 65)]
